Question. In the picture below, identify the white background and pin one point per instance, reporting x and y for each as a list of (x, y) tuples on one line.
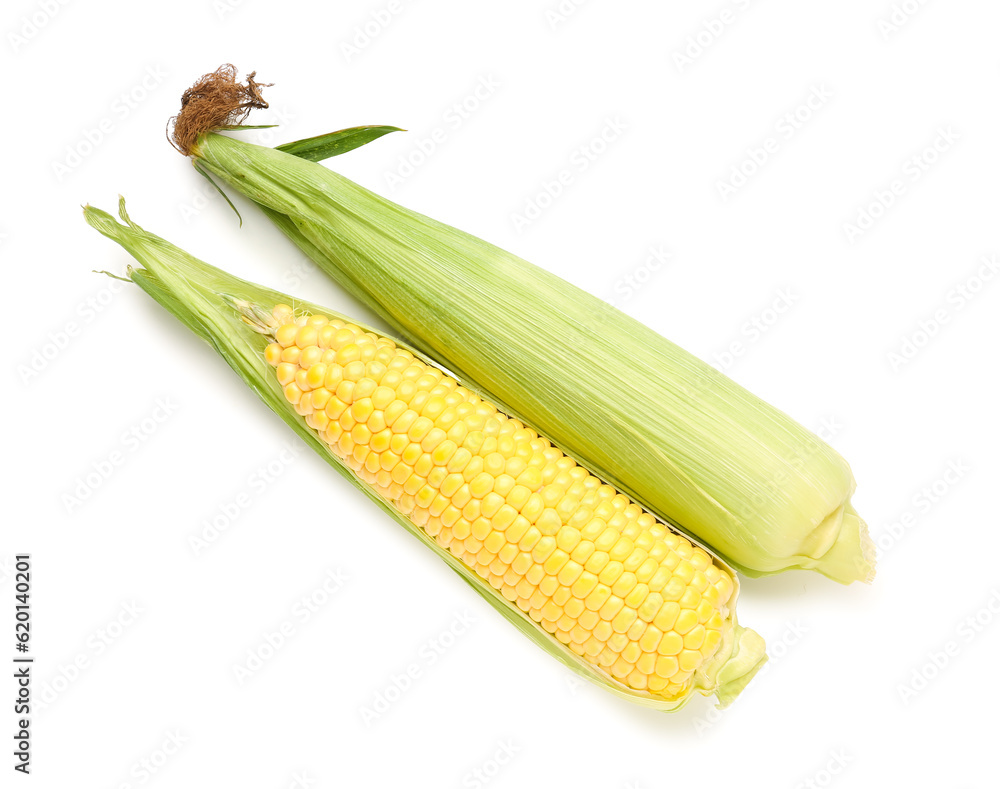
[(841, 683)]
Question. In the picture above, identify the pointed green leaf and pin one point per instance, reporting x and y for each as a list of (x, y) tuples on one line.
[(315, 149)]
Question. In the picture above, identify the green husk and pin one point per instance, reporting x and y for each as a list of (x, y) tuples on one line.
[(221, 309), (680, 437)]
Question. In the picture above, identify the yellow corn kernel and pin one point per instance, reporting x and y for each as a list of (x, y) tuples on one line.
[(380, 441), (504, 517), (518, 529), (686, 620), (670, 644), (531, 478), (712, 639), (481, 485), (362, 409), (555, 562), (666, 666), (569, 573), (310, 357), (285, 334), (533, 508), (425, 496), (597, 562), (637, 596), (518, 496), (491, 504), (548, 585), (650, 638), (306, 336), (623, 619), (424, 465), (286, 373), (503, 484), (443, 452), (549, 521), (272, 354)]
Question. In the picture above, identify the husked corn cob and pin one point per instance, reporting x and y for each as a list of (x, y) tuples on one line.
[(593, 569), (587, 574)]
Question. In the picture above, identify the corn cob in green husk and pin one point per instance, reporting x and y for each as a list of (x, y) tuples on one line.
[(678, 436), (597, 582)]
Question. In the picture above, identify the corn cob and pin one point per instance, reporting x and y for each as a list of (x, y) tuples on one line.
[(676, 435), (595, 580)]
